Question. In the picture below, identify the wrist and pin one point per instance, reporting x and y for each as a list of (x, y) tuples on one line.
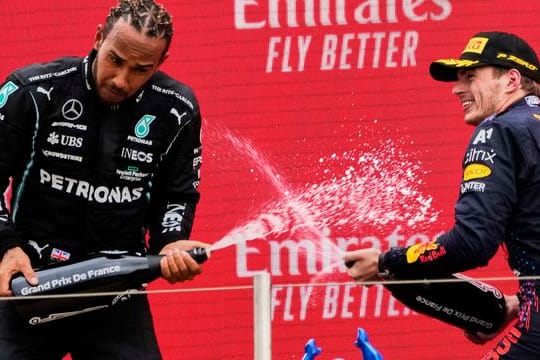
[(383, 271)]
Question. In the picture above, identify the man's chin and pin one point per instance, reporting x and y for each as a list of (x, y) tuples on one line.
[(471, 119), (111, 98)]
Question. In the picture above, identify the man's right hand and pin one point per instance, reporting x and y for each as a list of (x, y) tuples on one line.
[(512, 309), (15, 261)]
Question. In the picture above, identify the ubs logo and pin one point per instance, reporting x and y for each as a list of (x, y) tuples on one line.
[(72, 109), (66, 140)]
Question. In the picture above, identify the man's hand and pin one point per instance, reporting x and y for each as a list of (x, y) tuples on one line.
[(366, 264), (15, 261), (512, 309), (177, 265)]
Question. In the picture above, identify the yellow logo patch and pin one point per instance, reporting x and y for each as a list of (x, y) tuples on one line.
[(517, 60), (476, 171), (476, 45), (414, 252), (536, 116)]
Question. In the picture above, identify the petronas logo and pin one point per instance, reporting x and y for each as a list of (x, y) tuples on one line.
[(142, 128)]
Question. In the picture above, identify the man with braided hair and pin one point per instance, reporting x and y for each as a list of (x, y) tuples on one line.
[(101, 150)]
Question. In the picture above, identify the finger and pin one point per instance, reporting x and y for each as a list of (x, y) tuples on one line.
[(30, 275), (192, 267), (165, 271), (177, 265), (4, 286)]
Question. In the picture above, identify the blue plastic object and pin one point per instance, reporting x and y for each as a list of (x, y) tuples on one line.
[(311, 350), (368, 351)]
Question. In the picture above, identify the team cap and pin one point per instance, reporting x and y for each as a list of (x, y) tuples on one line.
[(490, 48)]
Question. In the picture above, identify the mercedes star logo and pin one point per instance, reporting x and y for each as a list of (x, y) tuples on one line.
[(72, 109)]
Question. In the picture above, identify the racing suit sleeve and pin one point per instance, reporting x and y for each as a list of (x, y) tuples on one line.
[(17, 114), (488, 194), (175, 194)]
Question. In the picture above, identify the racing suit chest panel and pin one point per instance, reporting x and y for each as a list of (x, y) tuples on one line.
[(92, 164)]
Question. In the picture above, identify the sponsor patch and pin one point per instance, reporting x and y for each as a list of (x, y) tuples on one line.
[(172, 219), (95, 193), (532, 100), (136, 155), (473, 186), (517, 60), (476, 171), (476, 45), (419, 251), (6, 90), (483, 136), (476, 154), (142, 128)]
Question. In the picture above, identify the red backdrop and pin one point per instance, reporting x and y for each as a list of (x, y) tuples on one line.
[(321, 123)]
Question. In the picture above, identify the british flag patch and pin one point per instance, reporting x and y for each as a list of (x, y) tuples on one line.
[(59, 255)]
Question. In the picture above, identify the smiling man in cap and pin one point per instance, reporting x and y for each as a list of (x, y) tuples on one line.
[(495, 79)]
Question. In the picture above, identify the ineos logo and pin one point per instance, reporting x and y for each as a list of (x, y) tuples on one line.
[(72, 109)]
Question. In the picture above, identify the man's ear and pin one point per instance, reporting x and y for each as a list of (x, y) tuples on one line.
[(99, 37), (514, 79)]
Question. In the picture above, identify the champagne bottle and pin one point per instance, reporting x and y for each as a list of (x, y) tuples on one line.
[(117, 272), (462, 301)]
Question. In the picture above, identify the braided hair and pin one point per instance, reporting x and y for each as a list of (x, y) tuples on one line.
[(146, 16)]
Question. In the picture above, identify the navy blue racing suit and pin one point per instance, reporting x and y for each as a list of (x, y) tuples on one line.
[(88, 177), (498, 205)]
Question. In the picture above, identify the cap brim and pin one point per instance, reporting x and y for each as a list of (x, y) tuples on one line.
[(447, 69)]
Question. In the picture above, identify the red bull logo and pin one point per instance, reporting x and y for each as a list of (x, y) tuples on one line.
[(425, 252)]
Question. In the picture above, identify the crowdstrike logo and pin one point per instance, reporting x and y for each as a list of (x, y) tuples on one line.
[(99, 194)]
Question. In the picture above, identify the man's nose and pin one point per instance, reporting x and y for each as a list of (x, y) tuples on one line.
[(121, 79)]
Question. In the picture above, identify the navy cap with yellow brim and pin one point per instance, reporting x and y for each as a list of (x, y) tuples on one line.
[(490, 49)]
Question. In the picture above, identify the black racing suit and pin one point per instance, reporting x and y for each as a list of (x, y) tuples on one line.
[(499, 204), (88, 176)]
